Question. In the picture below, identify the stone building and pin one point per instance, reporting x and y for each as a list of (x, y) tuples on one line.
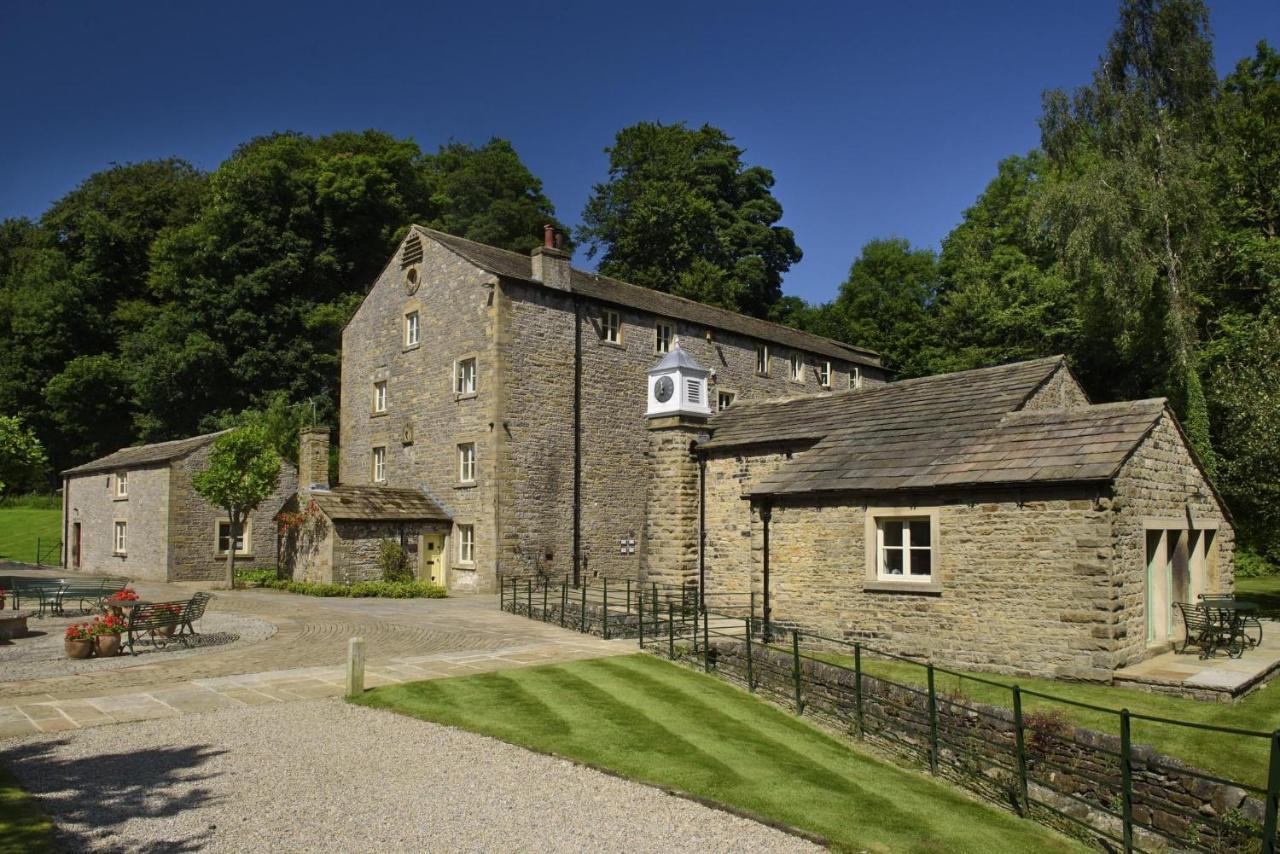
[(135, 513), (510, 391), (992, 518)]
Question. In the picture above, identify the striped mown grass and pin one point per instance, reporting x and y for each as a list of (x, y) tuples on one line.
[(20, 527)]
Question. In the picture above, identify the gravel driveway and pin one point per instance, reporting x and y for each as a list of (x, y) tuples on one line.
[(324, 774)]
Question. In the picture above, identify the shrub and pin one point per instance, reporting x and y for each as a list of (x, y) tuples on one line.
[(255, 577), (1044, 728), (1251, 564), (394, 562), (363, 589)]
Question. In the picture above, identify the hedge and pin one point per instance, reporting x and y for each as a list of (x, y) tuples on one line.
[(363, 589)]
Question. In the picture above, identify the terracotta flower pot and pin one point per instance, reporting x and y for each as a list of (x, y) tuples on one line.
[(79, 648), (166, 631), (107, 645)]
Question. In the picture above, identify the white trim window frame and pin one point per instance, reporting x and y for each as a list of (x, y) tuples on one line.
[(762, 360), (379, 471), (467, 545), (611, 327), (412, 329), (664, 337), (824, 373), (242, 538), (122, 484), (464, 376), (904, 547), (724, 399), (855, 377), (797, 367), (120, 538), (380, 396), (467, 462)]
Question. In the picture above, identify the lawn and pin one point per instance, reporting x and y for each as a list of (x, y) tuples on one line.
[(658, 723), (24, 828), (21, 526), (1235, 757)]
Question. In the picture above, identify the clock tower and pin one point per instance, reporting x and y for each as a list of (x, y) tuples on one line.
[(678, 386)]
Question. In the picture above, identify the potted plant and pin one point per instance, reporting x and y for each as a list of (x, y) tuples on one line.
[(114, 604), (106, 635), (79, 640)]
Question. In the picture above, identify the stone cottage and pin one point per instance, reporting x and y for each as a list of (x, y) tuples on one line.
[(992, 518), (135, 513), (509, 390)]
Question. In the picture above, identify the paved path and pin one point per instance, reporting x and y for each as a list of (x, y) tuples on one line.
[(407, 639)]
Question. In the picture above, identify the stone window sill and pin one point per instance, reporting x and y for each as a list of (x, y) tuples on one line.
[(471, 484), (119, 554), (383, 414), (239, 555), (408, 347), (120, 498), (464, 566), (617, 345), (762, 373), (469, 395), (921, 587)]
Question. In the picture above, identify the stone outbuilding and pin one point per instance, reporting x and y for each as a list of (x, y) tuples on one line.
[(994, 518), (135, 513)]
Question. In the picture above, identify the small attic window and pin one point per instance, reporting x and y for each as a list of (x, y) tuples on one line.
[(412, 252)]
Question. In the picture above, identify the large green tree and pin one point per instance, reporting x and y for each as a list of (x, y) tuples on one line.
[(242, 471), (682, 212), (1130, 206)]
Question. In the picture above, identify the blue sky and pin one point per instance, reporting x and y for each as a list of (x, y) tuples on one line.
[(877, 120)]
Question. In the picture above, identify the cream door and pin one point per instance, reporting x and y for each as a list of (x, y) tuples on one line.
[(433, 558)]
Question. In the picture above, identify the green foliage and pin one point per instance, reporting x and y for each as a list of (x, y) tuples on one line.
[(24, 827), (681, 212), (1250, 564), (31, 501), (242, 470), (257, 577), (23, 463), (393, 560), (363, 589)]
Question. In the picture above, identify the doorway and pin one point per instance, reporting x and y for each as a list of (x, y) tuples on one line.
[(75, 545), (432, 566)]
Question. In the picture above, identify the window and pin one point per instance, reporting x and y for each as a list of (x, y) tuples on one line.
[(855, 377), (466, 544), (663, 335), (411, 331), (380, 396), (797, 367), (464, 376), (724, 400), (118, 544), (467, 462), (762, 359), (904, 549), (824, 374), (122, 484), (224, 538), (611, 327), (379, 465)]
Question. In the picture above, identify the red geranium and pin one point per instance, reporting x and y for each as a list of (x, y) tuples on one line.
[(126, 595), (79, 631)]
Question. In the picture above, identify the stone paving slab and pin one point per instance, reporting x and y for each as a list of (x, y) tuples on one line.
[(1230, 678)]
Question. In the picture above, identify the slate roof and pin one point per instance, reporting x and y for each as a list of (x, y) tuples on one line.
[(513, 265), (145, 455), (377, 504), (952, 430)]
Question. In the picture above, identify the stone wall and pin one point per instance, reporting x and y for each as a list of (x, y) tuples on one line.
[(1060, 391), (91, 500), (454, 299), (671, 520), (1161, 481)]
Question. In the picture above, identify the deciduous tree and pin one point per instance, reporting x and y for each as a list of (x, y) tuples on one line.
[(242, 471)]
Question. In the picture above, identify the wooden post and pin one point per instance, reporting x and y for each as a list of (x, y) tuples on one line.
[(355, 667)]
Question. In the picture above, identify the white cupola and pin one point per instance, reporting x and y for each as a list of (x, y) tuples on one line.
[(678, 386)]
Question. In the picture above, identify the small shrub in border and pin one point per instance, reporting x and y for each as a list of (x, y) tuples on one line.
[(363, 589), (255, 577)]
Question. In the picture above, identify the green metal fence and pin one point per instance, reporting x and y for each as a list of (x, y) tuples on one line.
[(1101, 781), (48, 552)]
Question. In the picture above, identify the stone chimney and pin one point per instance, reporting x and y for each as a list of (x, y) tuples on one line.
[(313, 459), (550, 261)]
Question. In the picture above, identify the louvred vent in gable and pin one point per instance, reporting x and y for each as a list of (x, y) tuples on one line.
[(412, 253)]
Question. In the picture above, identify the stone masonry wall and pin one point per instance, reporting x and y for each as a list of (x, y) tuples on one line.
[(356, 546), (454, 300), (1061, 391), (193, 543), (90, 499), (671, 522), (1162, 481)]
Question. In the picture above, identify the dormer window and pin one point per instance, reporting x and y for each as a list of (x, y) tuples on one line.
[(663, 335), (611, 327), (797, 367)]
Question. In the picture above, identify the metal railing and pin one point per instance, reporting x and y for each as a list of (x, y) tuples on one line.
[(48, 552)]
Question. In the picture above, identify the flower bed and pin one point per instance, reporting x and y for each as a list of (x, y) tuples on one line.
[(364, 589)]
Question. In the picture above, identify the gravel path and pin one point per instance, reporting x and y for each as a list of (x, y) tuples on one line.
[(324, 774), (42, 655)]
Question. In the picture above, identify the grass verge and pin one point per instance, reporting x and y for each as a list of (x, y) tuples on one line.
[(652, 721), (24, 828), (20, 527)]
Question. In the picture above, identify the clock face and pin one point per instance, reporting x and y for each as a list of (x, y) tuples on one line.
[(663, 389)]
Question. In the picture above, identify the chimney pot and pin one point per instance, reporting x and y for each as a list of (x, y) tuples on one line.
[(548, 236)]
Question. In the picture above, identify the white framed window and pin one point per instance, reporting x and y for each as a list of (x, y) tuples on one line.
[(797, 367), (467, 462), (855, 377), (120, 538), (122, 484), (904, 548), (724, 399), (664, 335), (380, 396), (379, 464), (464, 376), (466, 544), (224, 538), (412, 331), (611, 327), (762, 359), (824, 374)]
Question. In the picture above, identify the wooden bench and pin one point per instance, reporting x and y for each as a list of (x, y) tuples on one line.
[(163, 620)]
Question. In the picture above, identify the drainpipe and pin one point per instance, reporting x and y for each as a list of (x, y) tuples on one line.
[(577, 441), (66, 529), (702, 530), (766, 513)]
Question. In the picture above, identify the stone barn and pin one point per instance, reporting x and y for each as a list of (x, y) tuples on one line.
[(135, 513)]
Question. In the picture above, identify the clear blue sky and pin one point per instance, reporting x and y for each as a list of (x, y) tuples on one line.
[(882, 119)]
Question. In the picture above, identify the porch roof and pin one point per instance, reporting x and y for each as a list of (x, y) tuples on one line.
[(374, 503)]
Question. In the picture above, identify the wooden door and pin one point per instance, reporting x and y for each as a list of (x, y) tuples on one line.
[(75, 545), (433, 558)]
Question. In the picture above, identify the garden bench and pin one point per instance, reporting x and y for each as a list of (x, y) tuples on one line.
[(46, 593), (162, 620), (1252, 626), (91, 590), (1212, 628)]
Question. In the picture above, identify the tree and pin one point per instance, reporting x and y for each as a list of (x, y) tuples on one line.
[(681, 212), (23, 464), (243, 469), (1130, 207), (88, 401)]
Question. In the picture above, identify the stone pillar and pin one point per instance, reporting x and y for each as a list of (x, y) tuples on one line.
[(672, 500), (313, 458)]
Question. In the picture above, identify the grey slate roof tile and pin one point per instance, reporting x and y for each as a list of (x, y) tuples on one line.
[(373, 503), (145, 455)]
